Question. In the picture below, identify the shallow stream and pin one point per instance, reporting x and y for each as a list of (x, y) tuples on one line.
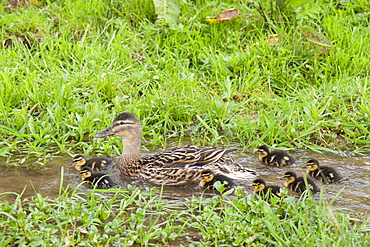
[(354, 169)]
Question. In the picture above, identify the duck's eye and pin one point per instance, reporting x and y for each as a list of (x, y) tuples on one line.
[(121, 123)]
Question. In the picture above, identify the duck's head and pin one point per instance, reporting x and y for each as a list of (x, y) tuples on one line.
[(263, 151), (124, 125), (289, 177), (311, 165), (128, 127), (258, 185), (207, 176), (86, 172), (78, 161)]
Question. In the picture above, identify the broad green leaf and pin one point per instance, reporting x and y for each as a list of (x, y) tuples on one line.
[(318, 39), (168, 10)]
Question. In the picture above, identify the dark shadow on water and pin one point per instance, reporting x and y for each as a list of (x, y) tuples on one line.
[(355, 171)]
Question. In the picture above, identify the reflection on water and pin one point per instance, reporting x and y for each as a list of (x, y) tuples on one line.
[(355, 171)]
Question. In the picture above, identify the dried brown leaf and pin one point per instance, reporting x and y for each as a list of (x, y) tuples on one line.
[(225, 16)]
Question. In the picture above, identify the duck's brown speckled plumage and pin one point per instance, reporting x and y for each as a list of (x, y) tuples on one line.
[(173, 166)]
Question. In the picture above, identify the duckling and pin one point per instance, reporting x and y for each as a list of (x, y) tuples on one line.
[(324, 174), (275, 157), (96, 163), (209, 178), (97, 180), (259, 187), (297, 184)]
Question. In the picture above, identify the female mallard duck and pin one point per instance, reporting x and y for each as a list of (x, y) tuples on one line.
[(173, 166), (275, 157), (324, 174), (208, 178), (96, 163), (298, 184), (259, 187), (98, 180)]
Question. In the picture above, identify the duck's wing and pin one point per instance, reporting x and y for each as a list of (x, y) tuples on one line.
[(171, 176), (185, 156), (203, 157)]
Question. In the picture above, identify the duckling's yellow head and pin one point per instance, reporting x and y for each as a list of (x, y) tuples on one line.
[(263, 151), (207, 176), (312, 165), (86, 172), (289, 177), (258, 185), (78, 161)]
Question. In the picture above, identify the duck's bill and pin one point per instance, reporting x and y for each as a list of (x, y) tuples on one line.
[(104, 133)]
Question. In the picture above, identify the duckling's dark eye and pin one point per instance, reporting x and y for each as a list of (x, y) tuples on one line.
[(121, 123)]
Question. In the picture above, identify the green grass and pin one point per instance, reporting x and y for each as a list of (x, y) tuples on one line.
[(141, 217), (288, 221), (97, 217), (68, 67)]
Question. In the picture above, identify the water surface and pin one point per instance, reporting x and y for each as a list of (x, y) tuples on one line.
[(355, 171)]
